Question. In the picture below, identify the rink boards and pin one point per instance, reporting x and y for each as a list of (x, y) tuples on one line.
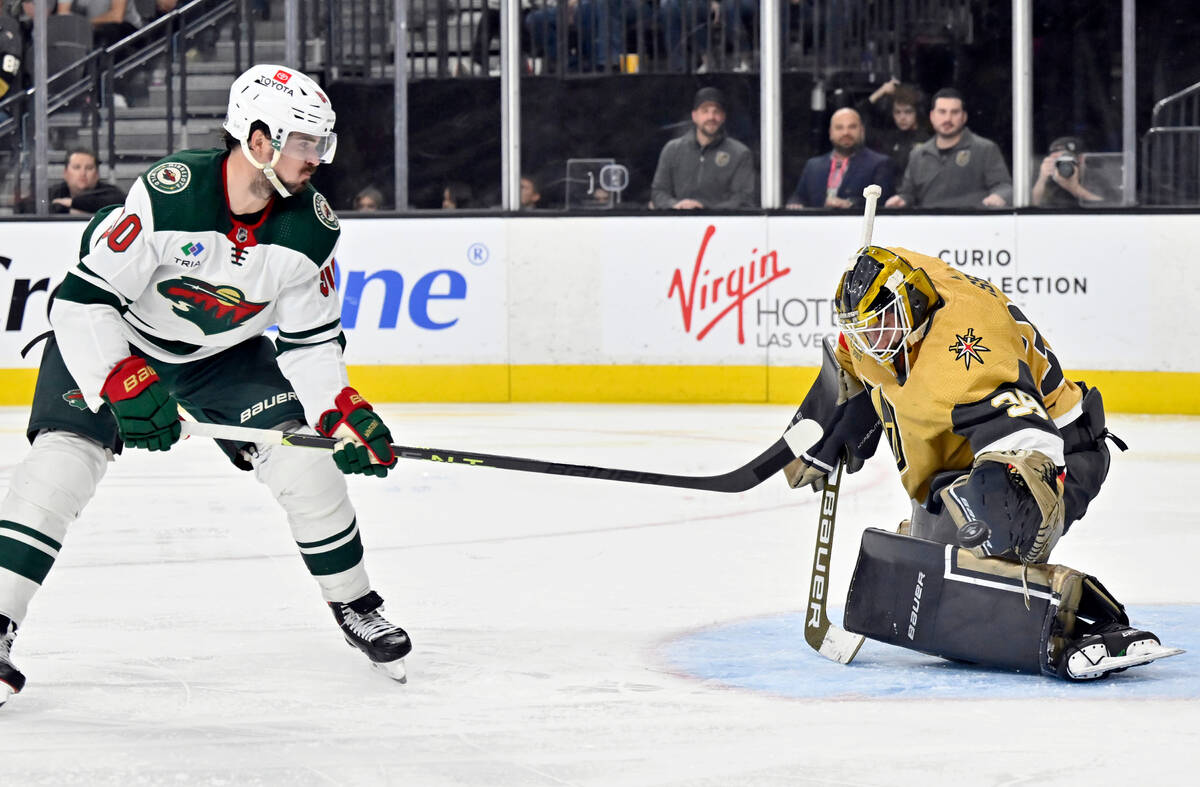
[(691, 308)]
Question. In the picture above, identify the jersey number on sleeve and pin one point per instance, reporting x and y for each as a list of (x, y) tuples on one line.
[(1019, 404), (328, 282), (121, 234)]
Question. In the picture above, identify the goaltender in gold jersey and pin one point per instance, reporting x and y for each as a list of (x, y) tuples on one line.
[(1000, 453), (984, 379)]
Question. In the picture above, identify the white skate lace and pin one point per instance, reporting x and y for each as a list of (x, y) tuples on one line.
[(370, 626), (6, 641)]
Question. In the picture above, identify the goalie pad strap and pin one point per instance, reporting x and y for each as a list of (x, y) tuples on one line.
[(944, 601)]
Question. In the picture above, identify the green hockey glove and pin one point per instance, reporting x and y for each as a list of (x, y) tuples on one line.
[(366, 441), (147, 415)]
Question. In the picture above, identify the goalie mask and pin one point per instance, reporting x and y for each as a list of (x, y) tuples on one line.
[(297, 113), (881, 300)]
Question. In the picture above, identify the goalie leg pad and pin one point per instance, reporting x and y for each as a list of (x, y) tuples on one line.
[(48, 489), (312, 492), (942, 600)]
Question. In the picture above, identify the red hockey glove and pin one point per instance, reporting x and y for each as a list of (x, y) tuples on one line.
[(147, 415), (366, 441)]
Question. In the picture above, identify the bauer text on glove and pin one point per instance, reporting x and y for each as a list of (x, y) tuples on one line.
[(147, 415), (366, 441)]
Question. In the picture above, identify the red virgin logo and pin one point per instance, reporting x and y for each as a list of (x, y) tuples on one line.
[(724, 294)]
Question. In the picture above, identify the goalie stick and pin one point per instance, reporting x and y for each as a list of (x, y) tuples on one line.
[(745, 477), (833, 642), (830, 641)]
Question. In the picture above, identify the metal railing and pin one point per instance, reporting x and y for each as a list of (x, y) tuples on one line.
[(1171, 151), (87, 85), (460, 38)]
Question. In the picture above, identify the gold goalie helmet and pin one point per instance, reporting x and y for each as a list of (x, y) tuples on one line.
[(881, 299)]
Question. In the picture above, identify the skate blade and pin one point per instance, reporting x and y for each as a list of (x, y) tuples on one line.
[(1088, 671), (393, 669)]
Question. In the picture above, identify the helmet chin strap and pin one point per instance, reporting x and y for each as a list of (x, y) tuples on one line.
[(268, 169)]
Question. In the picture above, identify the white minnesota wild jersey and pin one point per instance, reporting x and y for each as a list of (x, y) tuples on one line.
[(187, 279)]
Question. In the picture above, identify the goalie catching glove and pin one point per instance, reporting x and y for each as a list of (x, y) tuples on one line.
[(842, 407), (147, 415), (366, 441), (1010, 505)]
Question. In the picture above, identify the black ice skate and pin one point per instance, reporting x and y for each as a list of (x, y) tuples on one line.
[(385, 643), (1112, 647), (11, 679)]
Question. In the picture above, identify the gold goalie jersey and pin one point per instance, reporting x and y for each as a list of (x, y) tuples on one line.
[(979, 377)]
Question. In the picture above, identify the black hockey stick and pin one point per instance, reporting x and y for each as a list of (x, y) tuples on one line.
[(745, 477), (825, 638)]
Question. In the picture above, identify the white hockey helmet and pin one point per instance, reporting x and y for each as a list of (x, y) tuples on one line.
[(295, 110)]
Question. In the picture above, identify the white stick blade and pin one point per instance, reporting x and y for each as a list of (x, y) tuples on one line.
[(802, 435), (840, 645)]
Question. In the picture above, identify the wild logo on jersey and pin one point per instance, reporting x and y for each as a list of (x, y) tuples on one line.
[(968, 347), (213, 308), (74, 397)]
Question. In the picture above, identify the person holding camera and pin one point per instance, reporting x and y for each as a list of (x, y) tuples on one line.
[(1060, 179)]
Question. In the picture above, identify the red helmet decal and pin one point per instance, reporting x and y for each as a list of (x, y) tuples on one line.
[(282, 76)]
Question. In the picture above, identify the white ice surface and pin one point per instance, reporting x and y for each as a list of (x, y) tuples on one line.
[(180, 641)]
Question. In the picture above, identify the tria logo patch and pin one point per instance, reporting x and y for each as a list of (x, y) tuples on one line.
[(213, 308), (968, 348), (192, 249)]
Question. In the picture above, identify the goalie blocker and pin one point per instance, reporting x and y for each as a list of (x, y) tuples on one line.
[(942, 600)]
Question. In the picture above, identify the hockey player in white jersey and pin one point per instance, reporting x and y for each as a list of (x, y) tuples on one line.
[(167, 308)]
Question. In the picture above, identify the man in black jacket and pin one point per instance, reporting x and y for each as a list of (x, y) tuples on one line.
[(81, 190)]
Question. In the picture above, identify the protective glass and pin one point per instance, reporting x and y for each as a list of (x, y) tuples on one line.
[(307, 147)]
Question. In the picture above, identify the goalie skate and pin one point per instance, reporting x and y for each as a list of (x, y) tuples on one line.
[(383, 642), (1112, 648), (11, 678)]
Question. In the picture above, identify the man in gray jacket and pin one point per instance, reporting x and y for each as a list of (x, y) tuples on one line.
[(954, 169), (704, 168)]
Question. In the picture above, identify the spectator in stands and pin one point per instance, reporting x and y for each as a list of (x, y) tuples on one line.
[(1060, 180), (685, 28), (601, 28), (740, 18), (487, 30), (12, 51), (370, 198), (456, 196), (892, 109), (113, 20), (81, 191), (837, 179), (531, 193), (704, 168), (23, 11), (955, 169)]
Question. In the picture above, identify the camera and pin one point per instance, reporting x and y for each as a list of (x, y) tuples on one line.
[(1066, 164)]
